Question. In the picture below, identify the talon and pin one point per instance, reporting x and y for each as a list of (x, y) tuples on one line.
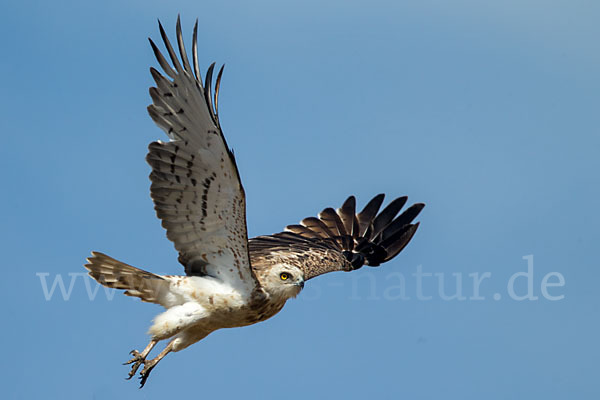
[(137, 361), (134, 368), (136, 357), (146, 372)]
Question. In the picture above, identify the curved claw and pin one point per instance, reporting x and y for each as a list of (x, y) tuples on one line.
[(136, 357), (146, 372), (135, 367), (137, 361)]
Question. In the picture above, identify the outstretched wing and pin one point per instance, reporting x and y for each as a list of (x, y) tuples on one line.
[(340, 240), (196, 185)]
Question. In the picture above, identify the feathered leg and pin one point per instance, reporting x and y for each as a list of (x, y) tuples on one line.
[(139, 358)]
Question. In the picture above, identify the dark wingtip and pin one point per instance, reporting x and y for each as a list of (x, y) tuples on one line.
[(351, 199), (154, 72), (153, 45), (385, 217), (217, 87), (163, 34), (195, 54), (160, 27), (391, 234), (401, 240), (178, 25), (208, 91)]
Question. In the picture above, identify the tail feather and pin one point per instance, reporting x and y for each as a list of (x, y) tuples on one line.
[(115, 274), (369, 237)]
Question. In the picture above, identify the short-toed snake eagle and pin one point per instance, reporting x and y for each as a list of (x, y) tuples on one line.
[(230, 280)]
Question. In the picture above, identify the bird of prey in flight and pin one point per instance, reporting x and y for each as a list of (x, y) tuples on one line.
[(230, 280)]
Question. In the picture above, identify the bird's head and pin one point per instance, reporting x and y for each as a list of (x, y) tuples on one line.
[(282, 280)]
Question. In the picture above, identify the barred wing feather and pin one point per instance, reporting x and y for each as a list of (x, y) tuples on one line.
[(196, 186)]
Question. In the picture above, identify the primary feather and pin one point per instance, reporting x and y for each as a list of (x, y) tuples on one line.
[(341, 240), (230, 280)]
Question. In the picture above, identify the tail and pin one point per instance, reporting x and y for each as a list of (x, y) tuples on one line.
[(114, 274), (368, 237)]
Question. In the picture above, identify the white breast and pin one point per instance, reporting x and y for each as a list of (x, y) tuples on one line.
[(213, 294)]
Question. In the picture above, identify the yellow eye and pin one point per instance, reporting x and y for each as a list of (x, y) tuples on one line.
[(284, 276)]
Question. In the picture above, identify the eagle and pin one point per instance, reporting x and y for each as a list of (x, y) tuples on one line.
[(230, 280)]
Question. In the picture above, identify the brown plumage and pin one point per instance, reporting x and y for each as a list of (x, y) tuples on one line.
[(340, 240), (230, 280), (118, 275)]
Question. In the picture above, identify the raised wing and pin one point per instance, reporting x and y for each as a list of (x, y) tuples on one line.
[(341, 240), (196, 185)]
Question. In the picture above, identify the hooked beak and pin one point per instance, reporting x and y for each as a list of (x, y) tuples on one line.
[(301, 284)]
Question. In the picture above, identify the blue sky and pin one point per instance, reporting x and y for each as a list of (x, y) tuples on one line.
[(486, 111)]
